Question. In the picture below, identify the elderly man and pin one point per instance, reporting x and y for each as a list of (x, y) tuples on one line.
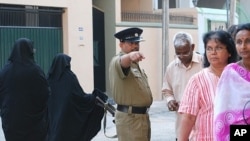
[(178, 72), (130, 88)]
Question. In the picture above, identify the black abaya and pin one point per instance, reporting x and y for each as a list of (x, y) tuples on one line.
[(24, 93), (71, 110)]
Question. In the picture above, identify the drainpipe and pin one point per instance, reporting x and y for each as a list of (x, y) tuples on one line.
[(232, 12), (227, 7), (165, 37)]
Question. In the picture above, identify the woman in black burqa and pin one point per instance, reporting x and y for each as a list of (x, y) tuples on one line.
[(73, 114), (24, 93)]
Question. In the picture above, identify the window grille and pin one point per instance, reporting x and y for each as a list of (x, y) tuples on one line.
[(30, 16)]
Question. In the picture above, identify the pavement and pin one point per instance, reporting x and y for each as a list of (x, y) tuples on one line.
[(162, 125)]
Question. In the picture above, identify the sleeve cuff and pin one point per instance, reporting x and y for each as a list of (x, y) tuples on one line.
[(170, 98)]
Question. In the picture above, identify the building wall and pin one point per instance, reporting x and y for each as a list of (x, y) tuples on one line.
[(109, 6), (217, 4), (77, 44), (244, 11), (137, 5), (208, 14), (184, 3)]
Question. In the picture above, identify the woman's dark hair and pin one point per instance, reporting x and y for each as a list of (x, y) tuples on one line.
[(245, 26), (224, 38)]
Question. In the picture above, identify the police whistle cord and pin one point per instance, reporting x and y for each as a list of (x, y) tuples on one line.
[(107, 107)]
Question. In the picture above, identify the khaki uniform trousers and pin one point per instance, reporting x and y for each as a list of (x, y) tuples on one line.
[(132, 127)]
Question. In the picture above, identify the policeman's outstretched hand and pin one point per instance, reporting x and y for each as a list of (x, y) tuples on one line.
[(136, 56)]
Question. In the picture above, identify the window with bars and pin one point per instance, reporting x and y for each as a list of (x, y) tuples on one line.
[(157, 4), (31, 16)]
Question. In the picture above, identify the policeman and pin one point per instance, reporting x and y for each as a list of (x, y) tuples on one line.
[(130, 88)]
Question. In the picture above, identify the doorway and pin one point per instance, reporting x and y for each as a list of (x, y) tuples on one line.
[(99, 50)]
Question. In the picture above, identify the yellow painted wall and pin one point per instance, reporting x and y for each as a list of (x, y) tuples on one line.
[(137, 5), (78, 13)]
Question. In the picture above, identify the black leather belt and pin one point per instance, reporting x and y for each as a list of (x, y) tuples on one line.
[(134, 110)]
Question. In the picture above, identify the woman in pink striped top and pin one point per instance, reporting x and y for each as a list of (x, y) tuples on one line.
[(196, 107)]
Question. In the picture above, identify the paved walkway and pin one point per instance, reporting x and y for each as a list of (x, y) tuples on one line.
[(162, 124)]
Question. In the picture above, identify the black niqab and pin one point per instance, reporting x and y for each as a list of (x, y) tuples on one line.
[(22, 52), (60, 63), (73, 114), (24, 93)]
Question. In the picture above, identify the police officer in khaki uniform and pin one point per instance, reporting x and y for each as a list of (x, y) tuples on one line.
[(130, 88)]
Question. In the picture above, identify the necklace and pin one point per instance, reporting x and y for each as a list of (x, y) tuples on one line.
[(244, 65)]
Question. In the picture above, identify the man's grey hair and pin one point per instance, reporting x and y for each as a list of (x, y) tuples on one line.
[(181, 38)]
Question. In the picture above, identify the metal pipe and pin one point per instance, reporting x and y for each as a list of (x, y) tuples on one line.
[(227, 8), (232, 11), (165, 35)]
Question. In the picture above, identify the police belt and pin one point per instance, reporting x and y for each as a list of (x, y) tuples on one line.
[(134, 110)]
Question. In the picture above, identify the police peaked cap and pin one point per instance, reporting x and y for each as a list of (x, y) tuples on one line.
[(130, 35)]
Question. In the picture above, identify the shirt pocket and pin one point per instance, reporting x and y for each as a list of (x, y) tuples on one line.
[(136, 72)]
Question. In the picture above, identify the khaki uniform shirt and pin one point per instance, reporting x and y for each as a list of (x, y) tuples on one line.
[(131, 89)]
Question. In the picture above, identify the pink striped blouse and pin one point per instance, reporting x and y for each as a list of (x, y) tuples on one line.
[(198, 100)]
